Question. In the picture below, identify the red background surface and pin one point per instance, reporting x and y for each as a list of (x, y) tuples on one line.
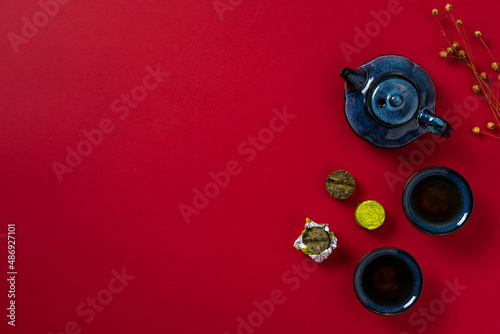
[(119, 209)]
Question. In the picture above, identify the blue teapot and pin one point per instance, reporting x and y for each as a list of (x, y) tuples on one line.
[(390, 101)]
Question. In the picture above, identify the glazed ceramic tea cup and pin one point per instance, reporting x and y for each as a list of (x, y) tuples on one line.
[(437, 200), (388, 281)]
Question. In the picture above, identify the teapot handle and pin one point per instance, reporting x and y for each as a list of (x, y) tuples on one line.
[(434, 123)]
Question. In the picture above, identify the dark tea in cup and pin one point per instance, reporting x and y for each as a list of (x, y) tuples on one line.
[(437, 200), (388, 281)]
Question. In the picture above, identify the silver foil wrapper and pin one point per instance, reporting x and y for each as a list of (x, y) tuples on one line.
[(299, 244)]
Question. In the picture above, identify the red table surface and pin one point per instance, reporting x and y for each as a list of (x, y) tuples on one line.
[(102, 244)]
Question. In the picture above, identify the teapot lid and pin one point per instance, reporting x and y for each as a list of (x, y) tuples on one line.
[(393, 100)]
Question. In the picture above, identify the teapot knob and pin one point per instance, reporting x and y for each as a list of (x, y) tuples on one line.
[(395, 100)]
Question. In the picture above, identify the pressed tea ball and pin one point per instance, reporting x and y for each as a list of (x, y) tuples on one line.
[(340, 184), (316, 239), (369, 214)]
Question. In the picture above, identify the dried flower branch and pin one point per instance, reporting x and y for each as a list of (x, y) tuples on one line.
[(463, 53)]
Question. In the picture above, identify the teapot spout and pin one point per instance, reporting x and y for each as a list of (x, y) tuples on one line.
[(434, 123), (354, 79)]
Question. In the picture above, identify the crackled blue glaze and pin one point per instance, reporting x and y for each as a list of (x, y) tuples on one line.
[(409, 299), (464, 195), (390, 101)]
